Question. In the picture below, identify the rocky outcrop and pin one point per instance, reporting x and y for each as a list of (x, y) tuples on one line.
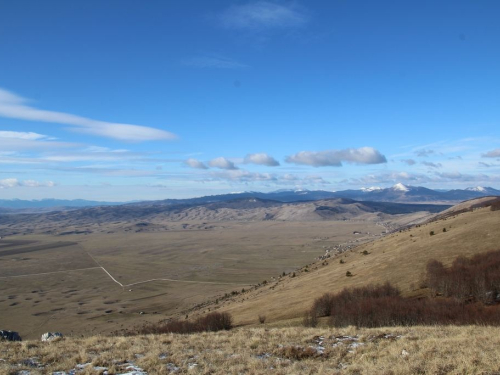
[(9, 336), (51, 336)]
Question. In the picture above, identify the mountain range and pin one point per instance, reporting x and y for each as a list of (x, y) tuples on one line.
[(398, 193)]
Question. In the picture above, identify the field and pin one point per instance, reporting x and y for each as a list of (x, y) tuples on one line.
[(104, 282)]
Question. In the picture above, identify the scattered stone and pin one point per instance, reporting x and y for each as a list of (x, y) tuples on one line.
[(9, 336), (404, 353), (31, 362), (172, 368), (52, 336)]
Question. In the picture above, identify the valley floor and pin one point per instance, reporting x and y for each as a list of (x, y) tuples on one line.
[(292, 350)]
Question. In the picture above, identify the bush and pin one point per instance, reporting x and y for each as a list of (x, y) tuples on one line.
[(431, 233), (495, 206), (381, 306), (348, 274), (262, 319), (468, 279), (327, 303), (211, 322)]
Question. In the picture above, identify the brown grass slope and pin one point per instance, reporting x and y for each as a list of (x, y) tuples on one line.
[(399, 258)]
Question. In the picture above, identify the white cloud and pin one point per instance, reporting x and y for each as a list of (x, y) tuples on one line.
[(194, 163), (363, 155), (13, 106), (23, 135), (214, 62), (261, 159), (33, 183), (14, 182), (222, 163), (492, 154), (263, 15)]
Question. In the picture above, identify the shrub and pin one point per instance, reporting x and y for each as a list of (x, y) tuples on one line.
[(468, 279), (444, 230), (212, 322), (262, 319), (326, 304), (348, 274), (383, 306), (495, 206), (342, 261), (431, 233)]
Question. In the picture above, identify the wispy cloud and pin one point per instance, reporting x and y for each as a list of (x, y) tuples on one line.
[(262, 15), (424, 153), (334, 158), (7, 183), (14, 106), (261, 159), (222, 163), (409, 161), (23, 135), (216, 62), (432, 165), (194, 163), (247, 177)]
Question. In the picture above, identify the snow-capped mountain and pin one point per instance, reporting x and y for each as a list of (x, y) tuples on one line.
[(398, 193), (400, 187), (477, 188)]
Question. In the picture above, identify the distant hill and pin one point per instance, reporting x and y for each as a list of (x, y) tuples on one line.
[(398, 193), (151, 215)]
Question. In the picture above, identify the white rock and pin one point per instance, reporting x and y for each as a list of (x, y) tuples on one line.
[(50, 336)]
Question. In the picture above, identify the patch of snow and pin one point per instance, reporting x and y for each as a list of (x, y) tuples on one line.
[(371, 188), (400, 187), (477, 188)]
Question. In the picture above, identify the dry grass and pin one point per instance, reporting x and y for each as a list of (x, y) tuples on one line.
[(293, 350)]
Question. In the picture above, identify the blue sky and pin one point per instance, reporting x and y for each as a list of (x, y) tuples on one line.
[(127, 100)]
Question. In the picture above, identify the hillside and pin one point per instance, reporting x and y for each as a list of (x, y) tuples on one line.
[(399, 258)]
